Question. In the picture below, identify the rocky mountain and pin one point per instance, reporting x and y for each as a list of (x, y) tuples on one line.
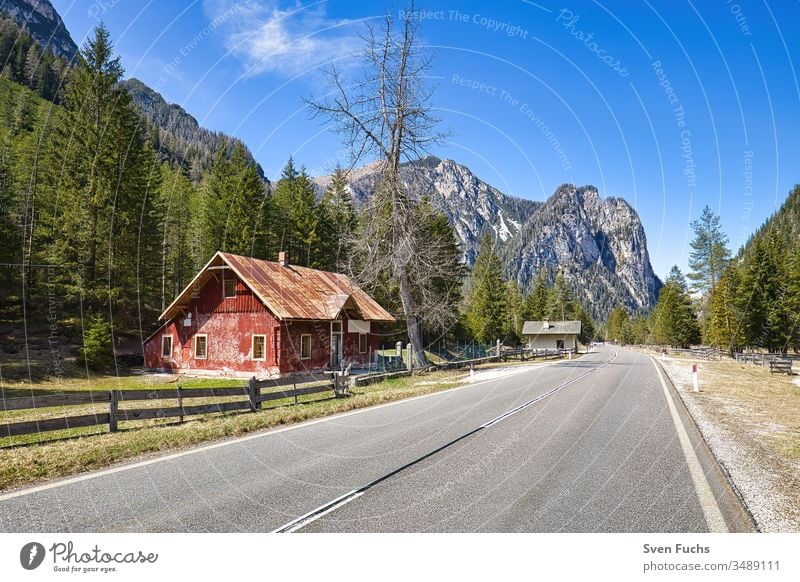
[(40, 20), (471, 204), (599, 245), (179, 138)]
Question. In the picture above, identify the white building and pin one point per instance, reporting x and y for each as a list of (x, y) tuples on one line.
[(539, 335)]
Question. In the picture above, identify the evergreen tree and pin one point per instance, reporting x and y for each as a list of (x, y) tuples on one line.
[(724, 326), (618, 326), (99, 205), (300, 221), (587, 325), (181, 255), (339, 221), (675, 323), (235, 206), (562, 305), (487, 313), (534, 306), (709, 257), (514, 312)]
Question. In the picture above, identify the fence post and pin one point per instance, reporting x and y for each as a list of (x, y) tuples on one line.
[(410, 358), (180, 403), (498, 349), (251, 394), (113, 410)]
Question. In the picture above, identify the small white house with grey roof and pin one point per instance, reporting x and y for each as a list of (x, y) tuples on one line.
[(539, 335)]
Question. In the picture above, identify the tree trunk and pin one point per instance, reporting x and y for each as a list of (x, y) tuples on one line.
[(413, 327)]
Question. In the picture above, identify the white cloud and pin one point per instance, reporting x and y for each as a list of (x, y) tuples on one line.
[(289, 41)]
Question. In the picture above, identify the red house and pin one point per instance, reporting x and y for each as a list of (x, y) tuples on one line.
[(245, 315)]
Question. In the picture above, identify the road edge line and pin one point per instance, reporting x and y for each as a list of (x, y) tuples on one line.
[(708, 502)]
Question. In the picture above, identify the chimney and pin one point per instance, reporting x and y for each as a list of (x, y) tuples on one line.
[(282, 261), (546, 324)]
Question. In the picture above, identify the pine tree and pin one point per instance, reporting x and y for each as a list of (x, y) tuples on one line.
[(618, 326), (562, 305), (487, 312), (534, 306), (587, 334), (724, 326), (339, 221), (96, 198), (709, 257), (675, 323), (514, 312)]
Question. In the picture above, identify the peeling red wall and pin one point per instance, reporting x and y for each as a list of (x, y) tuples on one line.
[(230, 323)]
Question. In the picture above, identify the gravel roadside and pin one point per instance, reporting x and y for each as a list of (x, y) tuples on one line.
[(739, 438)]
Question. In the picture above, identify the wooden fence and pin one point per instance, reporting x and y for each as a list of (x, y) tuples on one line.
[(253, 392), (775, 362)]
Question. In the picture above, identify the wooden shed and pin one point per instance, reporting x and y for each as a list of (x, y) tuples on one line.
[(250, 316)]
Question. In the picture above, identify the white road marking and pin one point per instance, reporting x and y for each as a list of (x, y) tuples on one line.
[(326, 508), (236, 441), (708, 503), (319, 512)]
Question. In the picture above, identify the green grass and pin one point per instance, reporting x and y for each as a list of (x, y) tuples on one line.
[(94, 448)]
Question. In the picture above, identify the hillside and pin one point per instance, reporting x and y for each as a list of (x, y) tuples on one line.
[(179, 138), (41, 21)]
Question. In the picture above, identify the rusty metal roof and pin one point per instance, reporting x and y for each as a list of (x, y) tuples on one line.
[(290, 292)]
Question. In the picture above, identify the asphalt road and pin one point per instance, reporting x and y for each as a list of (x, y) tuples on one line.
[(593, 444)]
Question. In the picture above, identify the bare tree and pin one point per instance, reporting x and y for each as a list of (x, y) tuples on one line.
[(387, 115)]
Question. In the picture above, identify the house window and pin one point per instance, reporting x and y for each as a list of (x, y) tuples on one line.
[(336, 326), (200, 347), (362, 343), (259, 347), (305, 346), (229, 286), (166, 346)]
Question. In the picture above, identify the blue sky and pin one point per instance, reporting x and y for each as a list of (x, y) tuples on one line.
[(670, 105)]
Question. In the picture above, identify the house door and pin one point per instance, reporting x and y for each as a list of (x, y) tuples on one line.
[(336, 344), (560, 344)]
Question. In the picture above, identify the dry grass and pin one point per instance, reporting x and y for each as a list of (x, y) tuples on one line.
[(751, 419), (24, 465)]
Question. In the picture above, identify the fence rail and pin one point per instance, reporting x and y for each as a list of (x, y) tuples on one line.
[(252, 392)]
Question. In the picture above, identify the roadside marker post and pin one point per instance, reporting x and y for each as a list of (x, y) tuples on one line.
[(694, 378)]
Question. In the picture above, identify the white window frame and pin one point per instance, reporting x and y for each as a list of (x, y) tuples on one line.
[(305, 335), (224, 283), (263, 357), (205, 355), (169, 353), (366, 343)]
